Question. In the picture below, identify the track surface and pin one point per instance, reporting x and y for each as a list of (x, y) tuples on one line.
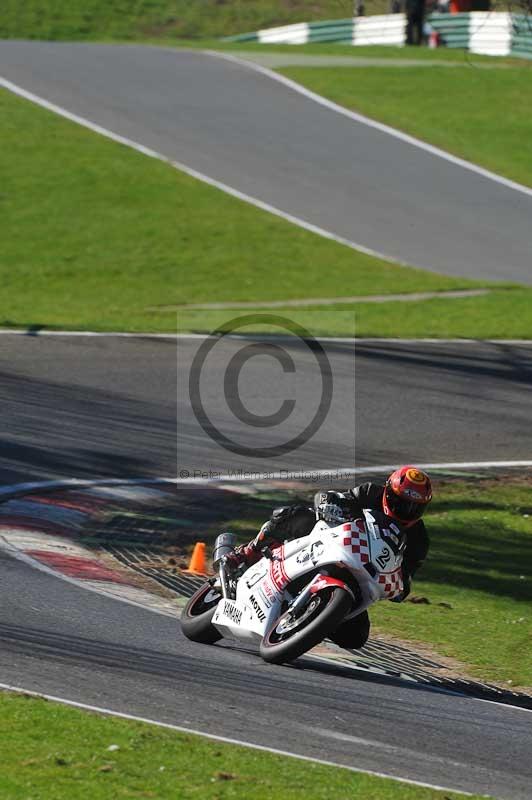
[(58, 639), (106, 407), (92, 407), (249, 131)]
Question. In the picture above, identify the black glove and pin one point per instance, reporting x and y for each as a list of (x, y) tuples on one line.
[(331, 507), (331, 513)]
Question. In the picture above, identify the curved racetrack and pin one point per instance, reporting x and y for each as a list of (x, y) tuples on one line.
[(108, 407), (92, 407), (61, 640), (262, 138)]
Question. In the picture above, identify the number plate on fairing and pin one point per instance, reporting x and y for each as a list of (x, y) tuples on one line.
[(384, 557)]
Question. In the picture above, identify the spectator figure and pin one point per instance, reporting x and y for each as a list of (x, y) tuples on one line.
[(396, 6), (415, 17)]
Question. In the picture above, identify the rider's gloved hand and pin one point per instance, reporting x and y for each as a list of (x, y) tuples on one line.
[(237, 557), (331, 513), (333, 507), (243, 554)]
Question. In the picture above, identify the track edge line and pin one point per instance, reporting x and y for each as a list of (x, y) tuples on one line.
[(223, 739)]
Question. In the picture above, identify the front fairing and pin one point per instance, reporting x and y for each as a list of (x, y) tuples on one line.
[(355, 546)]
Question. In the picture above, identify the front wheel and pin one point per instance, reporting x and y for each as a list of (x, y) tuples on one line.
[(290, 636), (196, 619)]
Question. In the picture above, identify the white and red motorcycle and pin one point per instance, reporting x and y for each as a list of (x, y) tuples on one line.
[(299, 593)]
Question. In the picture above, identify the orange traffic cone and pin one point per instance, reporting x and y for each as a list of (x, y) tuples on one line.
[(198, 564)]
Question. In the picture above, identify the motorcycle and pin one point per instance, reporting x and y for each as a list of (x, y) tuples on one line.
[(301, 591)]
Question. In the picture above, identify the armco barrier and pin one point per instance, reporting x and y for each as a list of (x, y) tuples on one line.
[(380, 29), (486, 32), (339, 31), (335, 30), (452, 28), (522, 36), (490, 33), (288, 34)]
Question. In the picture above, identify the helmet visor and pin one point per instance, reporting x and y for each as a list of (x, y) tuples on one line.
[(403, 509)]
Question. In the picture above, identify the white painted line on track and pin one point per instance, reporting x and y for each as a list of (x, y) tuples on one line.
[(78, 483), (353, 115), (241, 476), (224, 739), (20, 555), (147, 151), (177, 336), (387, 748)]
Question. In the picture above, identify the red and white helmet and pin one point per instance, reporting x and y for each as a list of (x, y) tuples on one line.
[(407, 493)]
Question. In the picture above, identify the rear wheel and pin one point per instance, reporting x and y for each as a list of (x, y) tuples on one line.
[(291, 636), (196, 619)]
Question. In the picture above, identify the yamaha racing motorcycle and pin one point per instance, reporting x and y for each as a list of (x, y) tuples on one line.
[(301, 591)]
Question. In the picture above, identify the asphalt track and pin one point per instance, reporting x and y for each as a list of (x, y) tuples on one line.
[(242, 128), (82, 407), (58, 639), (91, 407)]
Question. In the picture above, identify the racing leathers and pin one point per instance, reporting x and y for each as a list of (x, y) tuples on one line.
[(292, 522)]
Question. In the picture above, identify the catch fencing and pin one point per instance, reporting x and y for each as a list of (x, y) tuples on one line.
[(483, 32)]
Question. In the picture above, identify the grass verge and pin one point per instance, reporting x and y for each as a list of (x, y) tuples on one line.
[(392, 52), (501, 314), (48, 745), (138, 19), (480, 567), (96, 236), (457, 110), (481, 564)]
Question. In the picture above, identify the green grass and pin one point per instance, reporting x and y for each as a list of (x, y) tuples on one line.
[(49, 750), (480, 563), (443, 54), (138, 19), (501, 314), (456, 109), (95, 235)]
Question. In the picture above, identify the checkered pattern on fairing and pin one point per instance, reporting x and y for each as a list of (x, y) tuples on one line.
[(357, 539), (392, 583)]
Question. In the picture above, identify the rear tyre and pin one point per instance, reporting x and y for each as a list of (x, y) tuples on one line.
[(196, 619), (352, 634), (290, 637)]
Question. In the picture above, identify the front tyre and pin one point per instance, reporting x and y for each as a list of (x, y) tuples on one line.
[(290, 637), (196, 619)]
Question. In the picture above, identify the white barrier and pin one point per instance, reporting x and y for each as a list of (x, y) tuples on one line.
[(484, 32), (381, 29), (490, 33), (287, 34)]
